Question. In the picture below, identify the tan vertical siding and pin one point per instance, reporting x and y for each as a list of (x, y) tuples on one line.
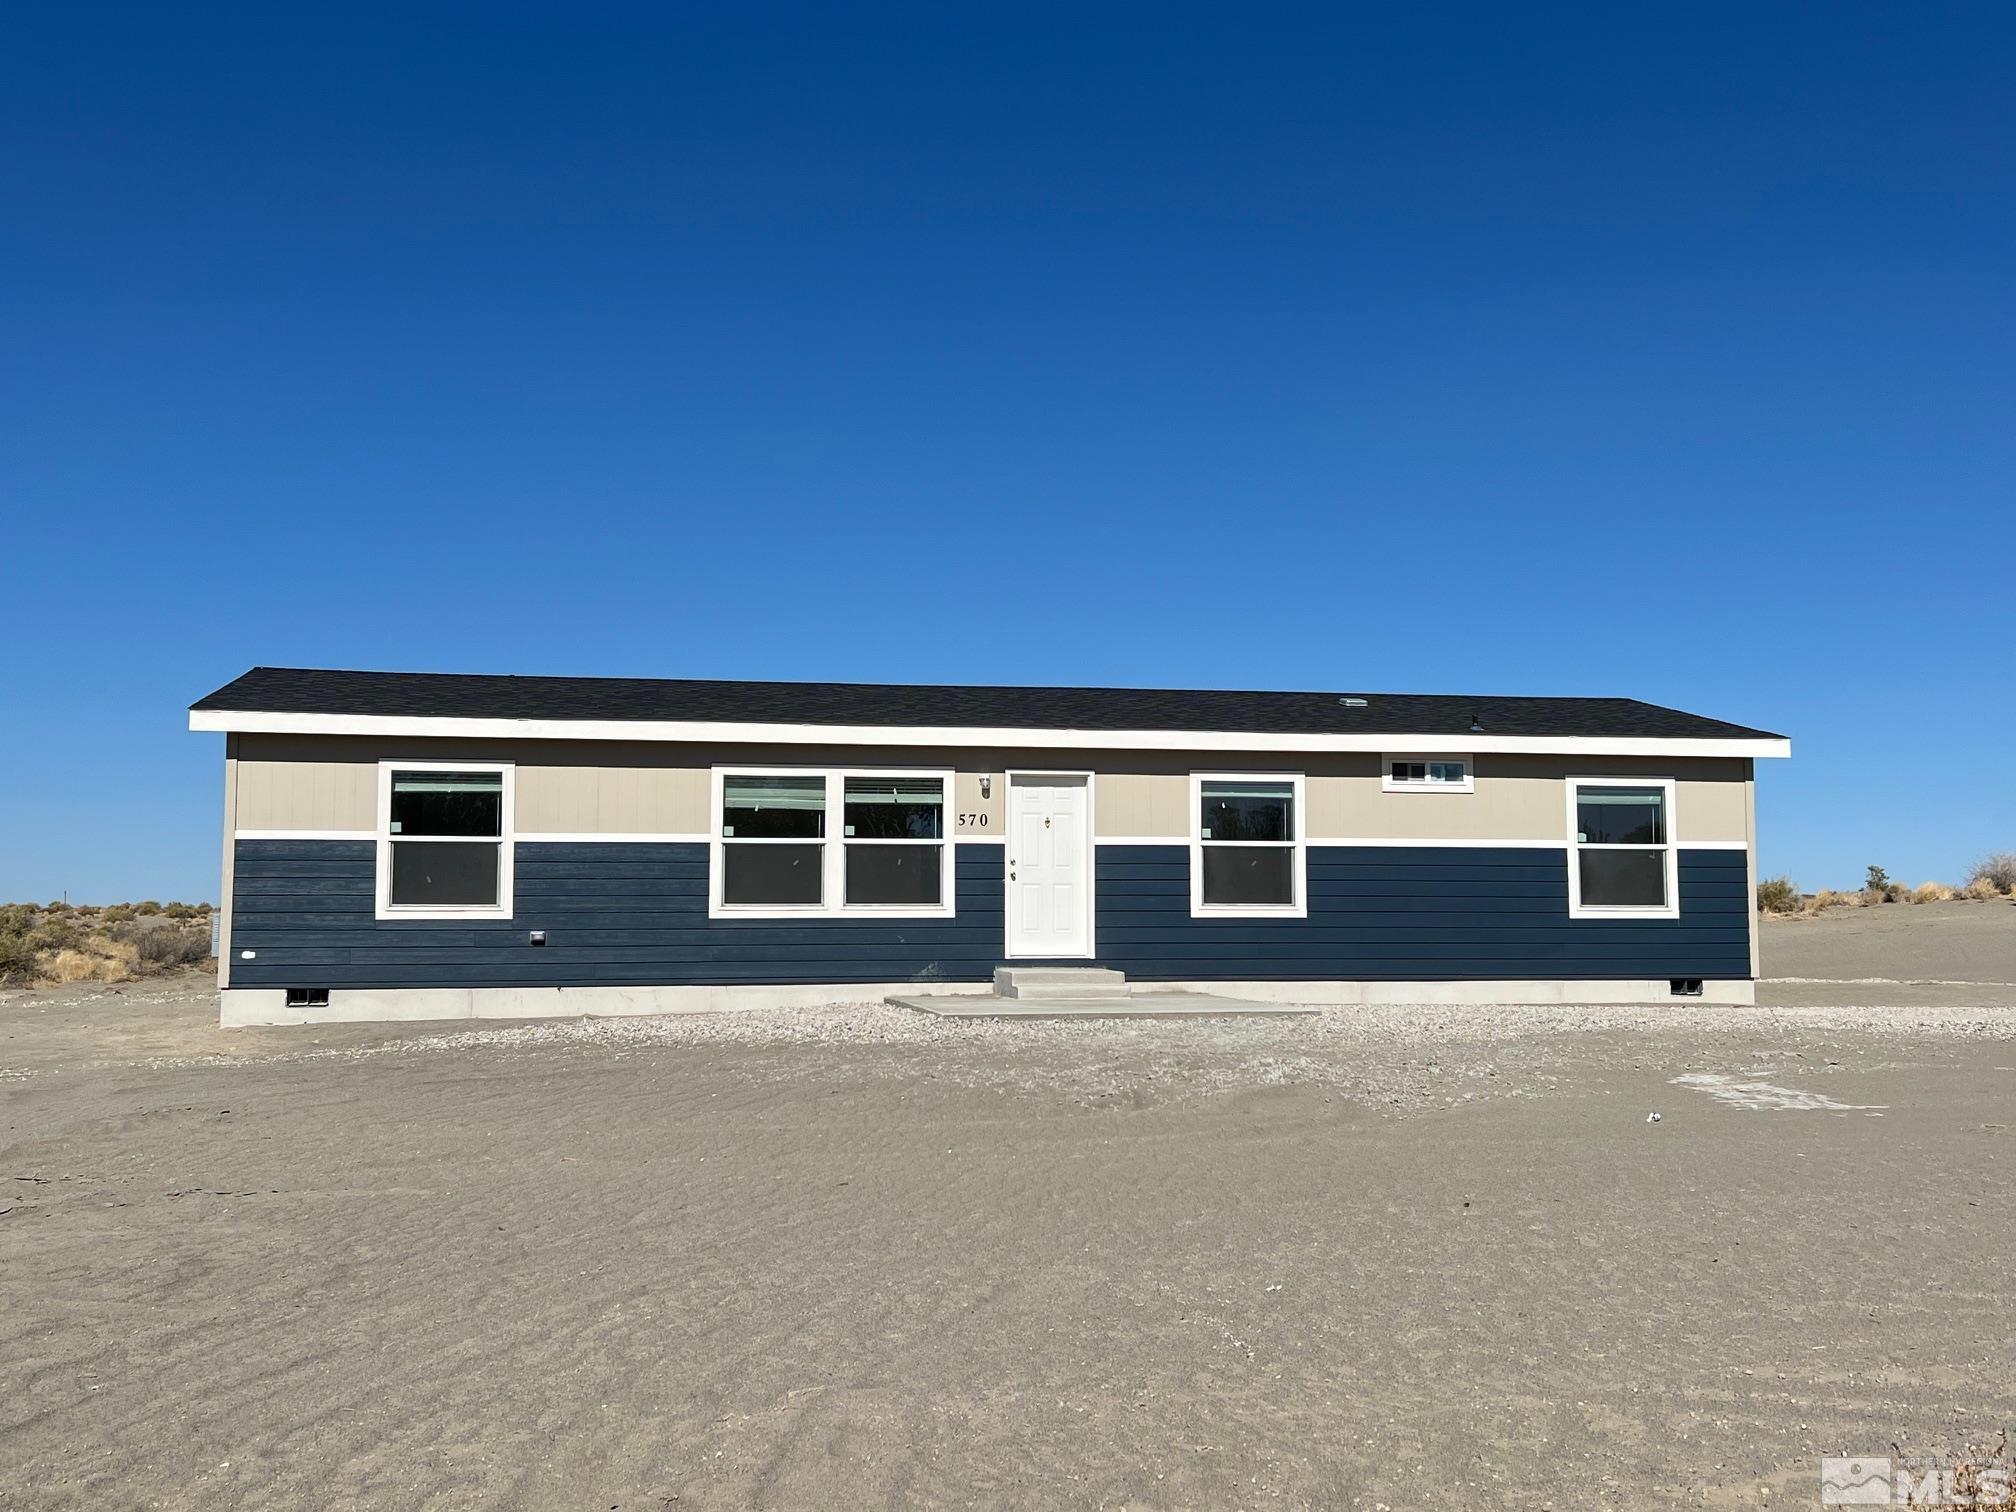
[(1712, 811), (612, 800), (966, 800), (307, 795), (1503, 808), (1141, 805), (615, 787)]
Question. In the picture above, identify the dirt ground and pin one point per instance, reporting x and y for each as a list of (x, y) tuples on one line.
[(1410, 1258), (1896, 942)]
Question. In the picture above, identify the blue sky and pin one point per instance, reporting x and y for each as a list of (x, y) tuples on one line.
[(1498, 349)]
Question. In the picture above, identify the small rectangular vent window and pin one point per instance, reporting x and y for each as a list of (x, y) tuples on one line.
[(1686, 986), (307, 997), (1428, 774)]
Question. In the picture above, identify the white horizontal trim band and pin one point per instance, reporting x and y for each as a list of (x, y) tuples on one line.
[(671, 838), (305, 834), (728, 732), (556, 837), (1552, 843), (639, 837)]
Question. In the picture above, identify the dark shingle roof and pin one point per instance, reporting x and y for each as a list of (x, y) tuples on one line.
[(290, 690)]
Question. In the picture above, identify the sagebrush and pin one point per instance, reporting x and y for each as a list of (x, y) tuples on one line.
[(1778, 895), (1997, 869), (84, 943), (165, 949)]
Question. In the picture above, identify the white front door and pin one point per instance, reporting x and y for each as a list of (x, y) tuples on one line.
[(1049, 865)]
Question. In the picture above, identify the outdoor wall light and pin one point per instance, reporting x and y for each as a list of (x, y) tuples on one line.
[(986, 787)]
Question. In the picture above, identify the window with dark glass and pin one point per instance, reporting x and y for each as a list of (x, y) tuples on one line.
[(1621, 846), (895, 841), (1429, 773), (446, 834), (1246, 834), (773, 830), (835, 842)]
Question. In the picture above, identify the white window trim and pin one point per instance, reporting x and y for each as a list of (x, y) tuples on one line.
[(1577, 909), (1388, 784), (1299, 909), (506, 843), (833, 848)]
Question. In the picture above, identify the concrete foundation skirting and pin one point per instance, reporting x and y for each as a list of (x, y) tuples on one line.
[(1341, 994), (244, 1006)]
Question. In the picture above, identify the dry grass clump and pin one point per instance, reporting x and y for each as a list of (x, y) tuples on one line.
[(1932, 892), (1981, 890), (103, 961), (1998, 869)]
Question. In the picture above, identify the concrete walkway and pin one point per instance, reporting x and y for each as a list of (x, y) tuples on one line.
[(1140, 1004)]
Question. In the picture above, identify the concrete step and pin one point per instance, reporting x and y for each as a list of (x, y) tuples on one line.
[(1076, 983)]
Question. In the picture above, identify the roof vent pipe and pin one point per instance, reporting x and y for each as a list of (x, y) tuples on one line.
[(1476, 724), (1352, 703)]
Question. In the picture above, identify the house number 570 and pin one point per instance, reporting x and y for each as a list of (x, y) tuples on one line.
[(972, 821)]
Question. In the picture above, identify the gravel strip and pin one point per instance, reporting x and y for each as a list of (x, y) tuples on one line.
[(1334, 1028)]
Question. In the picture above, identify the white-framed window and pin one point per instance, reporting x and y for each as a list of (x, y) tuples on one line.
[(1247, 853), (445, 839), (1622, 860), (790, 842), (1427, 774)]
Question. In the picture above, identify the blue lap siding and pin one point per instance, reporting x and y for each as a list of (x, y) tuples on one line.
[(627, 914), (636, 914), (1398, 913)]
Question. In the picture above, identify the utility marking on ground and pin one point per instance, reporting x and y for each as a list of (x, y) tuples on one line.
[(1766, 1097)]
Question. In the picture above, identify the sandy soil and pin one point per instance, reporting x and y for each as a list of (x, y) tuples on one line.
[(1928, 942), (1399, 1257)]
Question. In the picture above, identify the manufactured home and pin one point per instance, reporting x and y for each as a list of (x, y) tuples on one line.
[(422, 846)]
